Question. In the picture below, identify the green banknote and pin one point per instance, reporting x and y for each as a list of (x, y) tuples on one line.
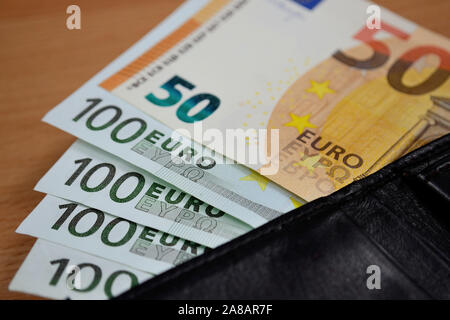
[(98, 233), (58, 272), (90, 176)]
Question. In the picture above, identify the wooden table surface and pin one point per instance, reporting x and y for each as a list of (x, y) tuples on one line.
[(41, 63)]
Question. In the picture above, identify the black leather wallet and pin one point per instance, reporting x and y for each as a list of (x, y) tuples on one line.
[(383, 237)]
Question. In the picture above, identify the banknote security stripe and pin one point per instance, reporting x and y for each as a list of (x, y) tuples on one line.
[(200, 176)]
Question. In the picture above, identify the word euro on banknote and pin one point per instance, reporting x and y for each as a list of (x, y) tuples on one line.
[(346, 99), (90, 176), (100, 118), (57, 272), (98, 233)]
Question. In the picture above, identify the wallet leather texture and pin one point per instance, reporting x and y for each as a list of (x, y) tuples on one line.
[(396, 219)]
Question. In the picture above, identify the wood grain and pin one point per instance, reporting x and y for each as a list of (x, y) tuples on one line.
[(41, 62)]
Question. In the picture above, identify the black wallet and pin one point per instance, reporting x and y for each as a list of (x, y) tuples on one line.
[(386, 236)]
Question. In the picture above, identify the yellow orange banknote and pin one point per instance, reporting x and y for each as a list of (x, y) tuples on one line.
[(346, 99)]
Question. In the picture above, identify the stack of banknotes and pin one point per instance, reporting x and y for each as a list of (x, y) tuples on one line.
[(325, 91)]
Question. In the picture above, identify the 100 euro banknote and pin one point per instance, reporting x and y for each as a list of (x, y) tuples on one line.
[(90, 176), (54, 271), (101, 234)]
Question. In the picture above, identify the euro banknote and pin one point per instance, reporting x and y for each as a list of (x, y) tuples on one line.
[(57, 272), (95, 232), (90, 176), (345, 96), (108, 122)]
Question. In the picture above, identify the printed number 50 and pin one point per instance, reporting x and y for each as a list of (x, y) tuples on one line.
[(175, 96)]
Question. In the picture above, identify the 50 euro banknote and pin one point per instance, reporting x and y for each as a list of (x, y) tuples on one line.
[(346, 98), (58, 272), (102, 119), (98, 233)]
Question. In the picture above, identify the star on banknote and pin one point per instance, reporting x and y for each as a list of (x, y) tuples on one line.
[(320, 88), (259, 179), (299, 122)]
